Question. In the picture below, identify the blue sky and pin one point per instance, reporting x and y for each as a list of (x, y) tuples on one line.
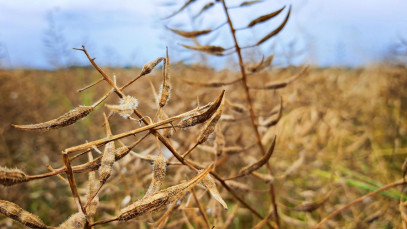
[(326, 33)]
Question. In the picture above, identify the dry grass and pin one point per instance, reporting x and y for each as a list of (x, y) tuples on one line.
[(350, 126), (337, 160)]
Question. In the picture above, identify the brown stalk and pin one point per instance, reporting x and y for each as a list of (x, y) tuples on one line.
[(72, 183), (201, 210), (358, 200), (189, 164), (105, 76), (210, 84), (250, 105), (91, 85)]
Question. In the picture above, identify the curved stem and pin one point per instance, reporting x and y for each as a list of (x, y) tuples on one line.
[(250, 105), (187, 163)]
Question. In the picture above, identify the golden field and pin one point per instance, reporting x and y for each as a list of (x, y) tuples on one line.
[(342, 134)]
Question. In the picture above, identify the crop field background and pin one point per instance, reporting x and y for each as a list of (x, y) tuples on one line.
[(250, 145)]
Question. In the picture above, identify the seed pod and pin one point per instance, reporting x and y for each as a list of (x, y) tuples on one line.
[(261, 65), (274, 120), (10, 177), (205, 8), (180, 9), (191, 34), (238, 185), (248, 3), (236, 106), (126, 106), (15, 212), (214, 50), (263, 160), (108, 157), (220, 141), (265, 177), (92, 187), (209, 183), (147, 68), (210, 84), (276, 31), (210, 127), (159, 171), (231, 150), (165, 89), (282, 84), (76, 221), (295, 165), (264, 221), (265, 17), (64, 120), (312, 206), (167, 132), (160, 199), (200, 118)]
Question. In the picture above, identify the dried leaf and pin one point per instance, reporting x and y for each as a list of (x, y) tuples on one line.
[(263, 160), (276, 31), (265, 17), (66, 119)]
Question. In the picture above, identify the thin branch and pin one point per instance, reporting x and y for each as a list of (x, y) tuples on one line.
[(201, 210), (358, 200), (91, 85), (250, 105)]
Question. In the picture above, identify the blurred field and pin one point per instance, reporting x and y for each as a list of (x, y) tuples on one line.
[(350, 124)]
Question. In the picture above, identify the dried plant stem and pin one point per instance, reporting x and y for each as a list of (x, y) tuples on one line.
[(184, 161), (91, 85), (72, 183), (190, 150), (105, 76), (189, 164), (250, 105), (358, 200), (102, 222), (93, 195), (201, 210)]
